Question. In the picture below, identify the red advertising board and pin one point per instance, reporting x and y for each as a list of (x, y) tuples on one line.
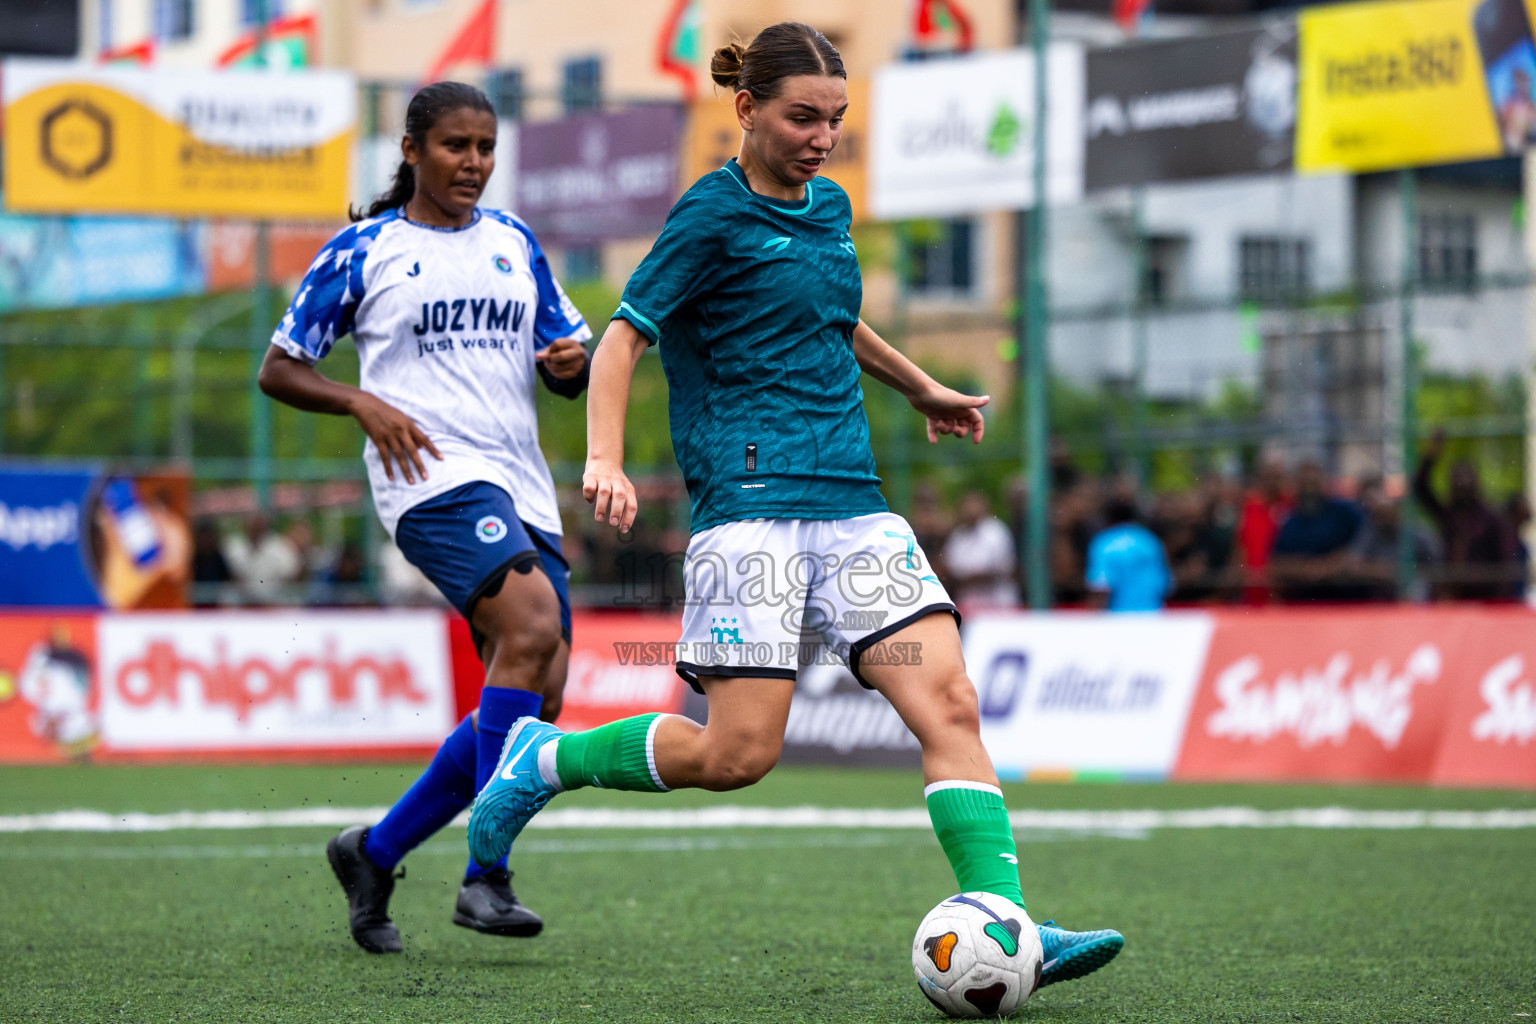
[(1490, 731), (1439, 695), (620, 666), (49, 711)]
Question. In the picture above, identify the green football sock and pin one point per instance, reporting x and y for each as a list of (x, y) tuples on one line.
[(972, 825), (619, 755)]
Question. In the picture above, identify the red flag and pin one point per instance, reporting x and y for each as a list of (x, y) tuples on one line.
[(299, 36), (1129, 12), (942, 23), (473, 45), (135, 53)]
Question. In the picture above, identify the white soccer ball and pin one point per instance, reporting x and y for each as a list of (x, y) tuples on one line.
[(977, 955)]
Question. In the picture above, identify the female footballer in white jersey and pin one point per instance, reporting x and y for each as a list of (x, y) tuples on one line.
[(454, 313), (752, 294)]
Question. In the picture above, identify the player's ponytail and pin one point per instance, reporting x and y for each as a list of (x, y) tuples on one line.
[(425, 108), (780, 51)]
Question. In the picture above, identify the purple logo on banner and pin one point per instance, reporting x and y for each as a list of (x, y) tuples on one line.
[(592, 178)]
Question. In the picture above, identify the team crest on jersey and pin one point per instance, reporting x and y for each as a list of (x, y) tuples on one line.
[(491, 529), (502, 263)]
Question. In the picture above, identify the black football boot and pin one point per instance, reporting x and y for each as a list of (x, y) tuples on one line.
[(368, 888), (487, 904)]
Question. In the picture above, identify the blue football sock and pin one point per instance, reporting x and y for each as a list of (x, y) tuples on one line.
[(444, 789), (500, 706)]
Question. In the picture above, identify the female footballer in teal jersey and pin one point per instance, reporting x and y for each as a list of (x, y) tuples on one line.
[(753, 294)]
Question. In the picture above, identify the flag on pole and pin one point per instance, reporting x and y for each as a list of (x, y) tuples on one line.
[(291, 43), (141, 53), (942, 25), (1130, 15), (475, 43), (677, 51)]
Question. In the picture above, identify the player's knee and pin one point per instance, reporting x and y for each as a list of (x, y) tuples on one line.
[(955, 705), (741, 766)]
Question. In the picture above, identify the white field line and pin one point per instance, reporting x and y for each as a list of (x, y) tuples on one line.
[(729, 816)]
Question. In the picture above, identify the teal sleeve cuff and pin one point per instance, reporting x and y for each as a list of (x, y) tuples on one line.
[(641, 322)]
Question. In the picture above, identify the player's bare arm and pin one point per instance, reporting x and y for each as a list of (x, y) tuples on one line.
[(947, 410), (613, 367), (395, 434)]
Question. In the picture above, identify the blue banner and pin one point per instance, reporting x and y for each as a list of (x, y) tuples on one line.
[(44, 537)]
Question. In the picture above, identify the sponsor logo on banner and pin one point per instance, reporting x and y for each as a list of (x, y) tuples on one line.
[(1190, 108), (82, 138), (288, 680), (48, 705), (1085, 693), (1339, 694), (1321, 704), (1490, 732), (1385, 85), (621, 665), (954, 136)]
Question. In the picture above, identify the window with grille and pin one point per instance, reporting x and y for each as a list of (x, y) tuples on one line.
[(1447, 250), (505, 88), (582, 84), (1272, 268), (252, 11), (941, 257), (173, 19)]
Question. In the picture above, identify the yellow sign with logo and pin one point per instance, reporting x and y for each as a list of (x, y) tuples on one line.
[(714, 136), (83, 139), (1386, 85)]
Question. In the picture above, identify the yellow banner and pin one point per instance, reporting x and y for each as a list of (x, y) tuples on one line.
[(183, 144), (714, 136), (1386, 85)]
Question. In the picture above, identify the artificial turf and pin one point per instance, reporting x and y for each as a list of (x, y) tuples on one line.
[(752, 925)]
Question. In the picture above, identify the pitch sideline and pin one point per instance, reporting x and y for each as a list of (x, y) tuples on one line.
[(732, 816)]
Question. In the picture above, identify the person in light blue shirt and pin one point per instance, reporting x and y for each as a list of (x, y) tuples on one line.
[(1127, 567)]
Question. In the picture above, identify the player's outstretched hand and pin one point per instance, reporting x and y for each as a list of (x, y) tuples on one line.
[(395, 435), (950, 412), (563, 358), (611, 494)]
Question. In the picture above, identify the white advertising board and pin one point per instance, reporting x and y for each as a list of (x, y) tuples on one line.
[(1085, 693), (955, 136), (285, 680)]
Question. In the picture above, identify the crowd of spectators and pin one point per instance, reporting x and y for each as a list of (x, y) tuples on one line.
[(1288, 534)]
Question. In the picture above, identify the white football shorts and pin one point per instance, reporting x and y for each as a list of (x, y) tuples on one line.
[(768, 597)]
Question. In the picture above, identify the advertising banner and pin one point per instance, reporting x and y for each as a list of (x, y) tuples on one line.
[(834, 720), (714, 136), (82, 138), (1340, 694), (232, 252), (1385, 85), (1490, 732), (1192, 108), (953, 136), (590, 178), (274, 682), (1084, 694), (621, 665), (62, 262), (48, 706), (72, 537)]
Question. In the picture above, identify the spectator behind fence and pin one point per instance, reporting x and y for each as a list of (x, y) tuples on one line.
[(930, 520), (1265, 507), (210, 571), (1374, 552), (1310, 557), (1517, 513), (1127, 566), (1481, 562), (263, 562), (979, 559)]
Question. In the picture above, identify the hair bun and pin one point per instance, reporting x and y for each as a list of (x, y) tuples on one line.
[(725, 65)]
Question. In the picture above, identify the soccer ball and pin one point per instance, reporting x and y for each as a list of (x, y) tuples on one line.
[(977, 955)]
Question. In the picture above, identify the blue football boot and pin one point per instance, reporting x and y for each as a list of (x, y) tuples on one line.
[(1071, 955), (514, 793)]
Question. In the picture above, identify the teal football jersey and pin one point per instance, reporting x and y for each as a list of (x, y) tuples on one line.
[(753, 302)]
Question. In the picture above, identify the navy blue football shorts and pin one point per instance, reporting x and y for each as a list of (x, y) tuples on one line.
[(466, 541)]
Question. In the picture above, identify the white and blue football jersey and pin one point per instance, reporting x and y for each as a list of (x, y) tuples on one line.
[(446, 322)]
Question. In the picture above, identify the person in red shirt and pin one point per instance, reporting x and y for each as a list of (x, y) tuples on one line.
[(1267, 504)]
